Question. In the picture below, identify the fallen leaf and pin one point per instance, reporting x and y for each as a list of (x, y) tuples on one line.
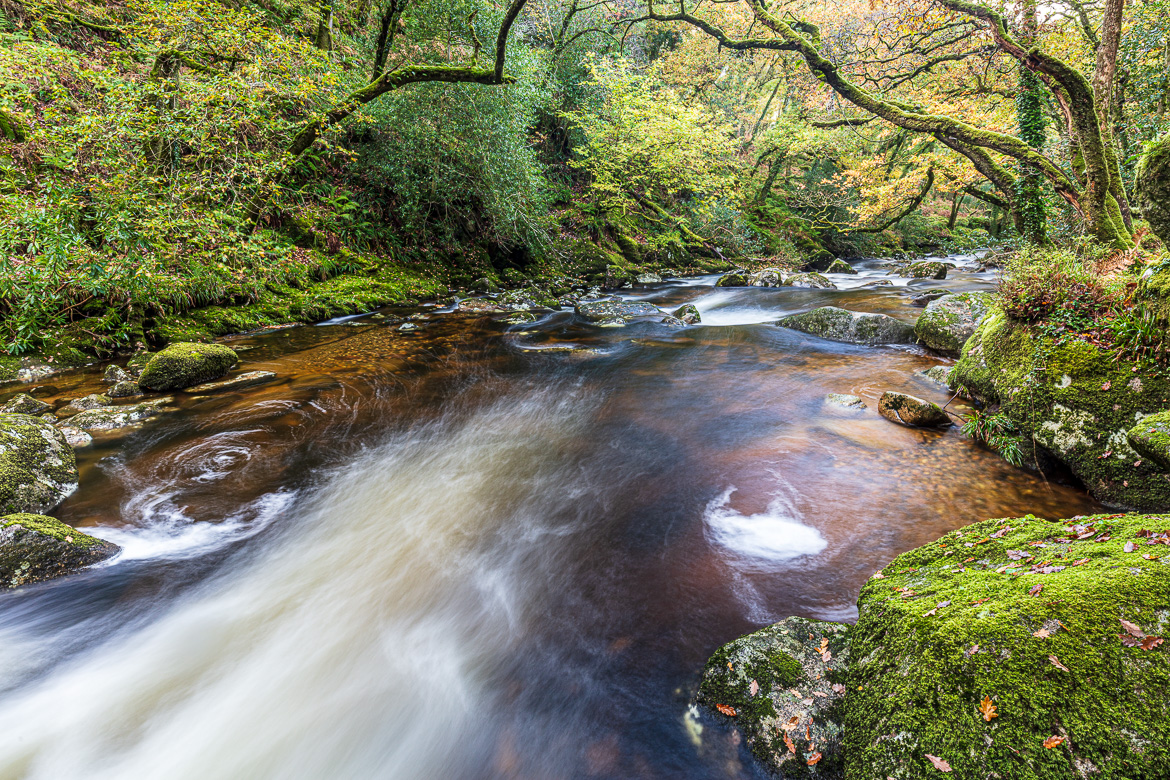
[(1057, 663), (792, 723), (822, 694), (726, 710), (1130, 547), (815, 757), (838, 688), (1035, 590), (1053, 741), (1150, 642), (939, 764), (1041, 633), (928, 614), (987, 709), (789, 743), (754, 688), (1132, 629), (729, 666), (878, 576)]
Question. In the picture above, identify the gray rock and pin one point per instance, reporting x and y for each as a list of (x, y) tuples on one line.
[(115, 374), (768, 277), (949, 321), (830, 322), (688, 314), (922, 299), (519, 318), (1151, 438), (649, 278), (25, 404), (91, 401), (34, 548), (185, 364), (845, 401), (407, 327), (127, 388), (109, 418), (809, 279), (597, 311), (914, 412), (76, 437), (247, 379), (37, 467), (783, 687)]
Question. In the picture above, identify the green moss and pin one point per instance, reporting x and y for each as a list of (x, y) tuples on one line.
[(185, 364), (1153, 184), (8, 368), (955, 621), (36, 547), (1151, 438), (38, 468), (51, 527)]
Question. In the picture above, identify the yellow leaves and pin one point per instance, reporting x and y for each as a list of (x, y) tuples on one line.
[(987, 709)]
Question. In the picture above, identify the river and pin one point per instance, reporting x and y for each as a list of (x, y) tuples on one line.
[(481, 550)]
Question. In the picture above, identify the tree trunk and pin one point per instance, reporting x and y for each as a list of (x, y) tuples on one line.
[(1030, 120), (325, 26)]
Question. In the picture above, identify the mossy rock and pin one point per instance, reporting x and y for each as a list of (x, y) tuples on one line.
[(1151, 438), (36, 547), (185, 364), (809, 279), (604, 311), (1073, 401), (840, 267), (688, 314), (733, 279), (927, 269), (37, 467), (911, 411), (950, 320), (1027, 614), (108, 418), (784, 680), (1152, 178), (830, 322), (23, 403), (845, 401)]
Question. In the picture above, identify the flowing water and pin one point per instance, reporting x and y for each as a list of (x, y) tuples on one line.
[(480, 550)]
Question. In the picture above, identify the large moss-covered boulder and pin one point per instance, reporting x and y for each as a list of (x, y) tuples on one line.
[(185, 364), (1071, 400), (38, 469), (35, 548), (783, 688), (925, 269), (830, 322), (1016, 649), (1153, 185), (1151, 438), (950, 320), (23, 403)]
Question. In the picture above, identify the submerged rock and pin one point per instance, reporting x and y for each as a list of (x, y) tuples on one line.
[(688, 314), (185, 364), (110, 417), (950, 320), (25, 404), (783, 687), (938, 374), (1052, 629), (924, 299), (908, 410), (925, 269), (246, 379), (845, 401), (34, 547), (1071, 400), (1151, 438), (830, 322), (37, 467)]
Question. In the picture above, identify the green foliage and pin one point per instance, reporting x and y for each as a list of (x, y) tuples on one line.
[(1056, 286), (998, 432)]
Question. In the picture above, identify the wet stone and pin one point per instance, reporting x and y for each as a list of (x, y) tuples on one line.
[(115, 374), (127, 388), (845, 401), (914, 412), (830, 322), (247, 379), (113, 417), (35, 547), (601, 311), (25, 404), (76, 437)]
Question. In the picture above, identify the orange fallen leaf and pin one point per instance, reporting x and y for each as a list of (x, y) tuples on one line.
[(754, 688), (1057, 663), (1150, 642), (815, 757), (789, 743), (792, 723), (726, 710), (939, 764), (987, 709), (1053, 741)]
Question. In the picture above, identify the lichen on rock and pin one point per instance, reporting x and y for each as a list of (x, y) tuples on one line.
[(185, 364), (112, 417), (38, 469), (23, 403), (1027, 613), (784, 684), (925, 269), (35, 547)]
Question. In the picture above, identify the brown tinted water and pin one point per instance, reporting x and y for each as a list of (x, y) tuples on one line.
[(469, 553)]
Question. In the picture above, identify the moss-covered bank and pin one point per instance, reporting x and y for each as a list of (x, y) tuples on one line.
[(1029, 615), (1072, 400), (35, 548)]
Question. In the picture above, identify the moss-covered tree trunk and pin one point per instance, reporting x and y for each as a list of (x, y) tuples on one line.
[(1030, 120)]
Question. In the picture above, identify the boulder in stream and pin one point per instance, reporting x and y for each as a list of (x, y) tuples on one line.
[(950, 320), (809, 279), (688, 314), (845, 401), (830, 322), (839, 266), (109, 418), (115, 374), (914, 412), (186, 363), (239, 382), (783, 688), (620, 312), (925, 269), (23, 403), (127, 388), (91, 401), (37, 467), (733, 279), (36, 547)]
